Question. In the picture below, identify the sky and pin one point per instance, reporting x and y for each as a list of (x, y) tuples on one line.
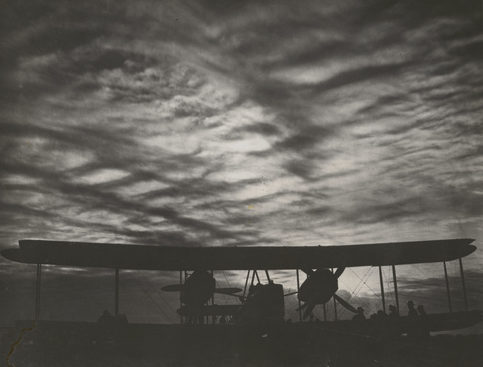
[(223, 123)]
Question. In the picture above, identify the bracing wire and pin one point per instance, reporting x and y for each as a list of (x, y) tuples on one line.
[(359, 285), (148, 294), (363, 281), (226, 279), (156, 303), (389, 287)]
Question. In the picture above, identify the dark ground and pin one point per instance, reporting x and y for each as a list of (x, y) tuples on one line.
[(173, 345)]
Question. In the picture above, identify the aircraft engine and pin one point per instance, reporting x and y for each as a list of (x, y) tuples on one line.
[(319, 287), (198, 288)]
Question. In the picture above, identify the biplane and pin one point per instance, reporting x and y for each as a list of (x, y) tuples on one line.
[(260, 304)]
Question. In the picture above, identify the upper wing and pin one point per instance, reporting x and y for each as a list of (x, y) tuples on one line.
[(123, 256)]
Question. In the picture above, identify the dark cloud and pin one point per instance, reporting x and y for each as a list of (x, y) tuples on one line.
[(299, 168), (262, 128), (305, 139)]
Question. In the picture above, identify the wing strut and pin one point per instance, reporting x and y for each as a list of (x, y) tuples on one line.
[(116, 292), (395, 288), (268, 276), (246, 286), (447, 287), (381, 281), (335, 309), (213, 317), (335, 302), (38, 281), (298, 289), (465, 296), (181, 318), (253, 279)]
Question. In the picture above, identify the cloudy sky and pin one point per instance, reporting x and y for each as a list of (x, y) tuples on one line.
[(219, 123)]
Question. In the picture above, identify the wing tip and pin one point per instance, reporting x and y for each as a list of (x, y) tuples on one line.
[(12, 254), (471, 249)]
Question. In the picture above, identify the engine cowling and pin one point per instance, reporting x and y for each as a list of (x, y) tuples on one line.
[(319, 287), (198, 288)]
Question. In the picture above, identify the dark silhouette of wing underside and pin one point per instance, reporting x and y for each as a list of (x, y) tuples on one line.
[(123, 256)]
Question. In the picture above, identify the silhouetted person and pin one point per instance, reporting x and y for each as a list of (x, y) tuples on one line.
[(222, 320), (393, 322), (383, 326), (422, 311), (121, 319), (393, 312), (106, 319), (411, 310), (423, 322), (412, 321), (359, 315), (381, 315)]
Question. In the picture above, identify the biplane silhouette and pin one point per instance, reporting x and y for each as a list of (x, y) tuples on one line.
[(260, 304)]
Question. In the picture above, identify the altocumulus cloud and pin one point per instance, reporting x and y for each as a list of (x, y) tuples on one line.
[(241, 123)]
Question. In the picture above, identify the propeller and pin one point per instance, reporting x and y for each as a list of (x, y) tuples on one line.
[(345, 304), (339, 272), (179, 288), (309, 272), (173, 288), (319, 287), (342, 301), (228, 291)]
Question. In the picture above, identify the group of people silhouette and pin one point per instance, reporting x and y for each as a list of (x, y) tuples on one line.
[(393, 312), (416, 324), (108, 319)]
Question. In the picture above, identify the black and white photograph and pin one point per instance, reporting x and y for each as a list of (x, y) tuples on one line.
[(241, 183)]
